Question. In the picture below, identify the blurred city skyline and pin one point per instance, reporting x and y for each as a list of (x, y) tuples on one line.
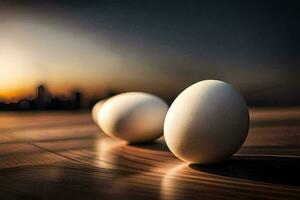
[(44, 99), (159, 47)]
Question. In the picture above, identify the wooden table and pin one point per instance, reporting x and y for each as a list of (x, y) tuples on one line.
[(65, 156)]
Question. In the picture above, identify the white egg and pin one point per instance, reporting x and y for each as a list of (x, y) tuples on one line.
[(133, 116), (96, 110), (208, 122)]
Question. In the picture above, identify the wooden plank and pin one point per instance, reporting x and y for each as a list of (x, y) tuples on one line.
[(64, 155)]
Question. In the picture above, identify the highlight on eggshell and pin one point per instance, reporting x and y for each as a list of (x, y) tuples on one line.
[(207, 123), (136, 117), (96, 110)]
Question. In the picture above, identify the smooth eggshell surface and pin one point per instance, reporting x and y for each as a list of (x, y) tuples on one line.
[(133, 116), (208, 122), (96, 111)]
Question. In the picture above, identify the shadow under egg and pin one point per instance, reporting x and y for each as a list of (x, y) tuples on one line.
[(270, 169), (157, 145)]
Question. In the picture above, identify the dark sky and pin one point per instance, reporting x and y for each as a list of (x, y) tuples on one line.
[(253, 45)]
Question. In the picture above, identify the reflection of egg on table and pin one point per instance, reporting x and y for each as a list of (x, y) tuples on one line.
[(133, 116), (96, 110), (207, 122)]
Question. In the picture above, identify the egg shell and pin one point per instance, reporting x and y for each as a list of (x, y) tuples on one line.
[(96, 110), (207, 122), (134, 116)]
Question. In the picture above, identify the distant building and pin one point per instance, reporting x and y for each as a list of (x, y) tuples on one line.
[(45, 101), (77, 98), (42, 98)]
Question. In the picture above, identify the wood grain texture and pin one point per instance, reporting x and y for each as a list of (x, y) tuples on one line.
[(65, 156)]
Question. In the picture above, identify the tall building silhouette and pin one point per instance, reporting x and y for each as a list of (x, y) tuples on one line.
[(41, 92), (42, 97), (76, 99)]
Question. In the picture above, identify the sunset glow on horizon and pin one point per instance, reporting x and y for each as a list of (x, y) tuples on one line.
[(122, 48), (33, 53)]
